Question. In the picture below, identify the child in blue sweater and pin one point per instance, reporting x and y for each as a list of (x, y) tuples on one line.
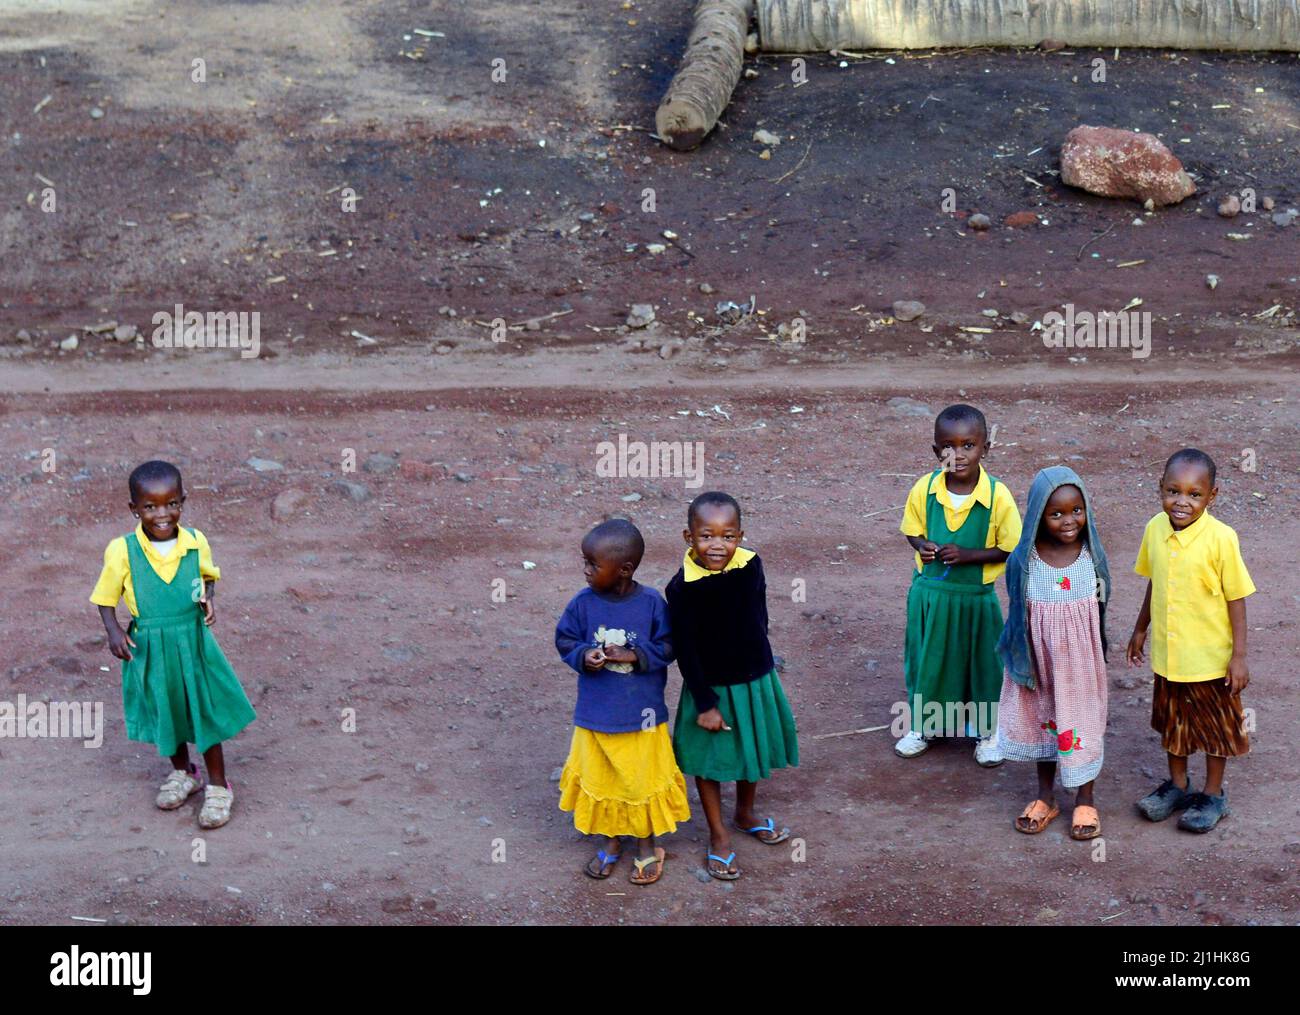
[(621, 777)]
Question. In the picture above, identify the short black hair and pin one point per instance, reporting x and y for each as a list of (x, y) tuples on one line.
[(711, 497), (151, 472), (961, 413), (621, 536), (1193, 455)]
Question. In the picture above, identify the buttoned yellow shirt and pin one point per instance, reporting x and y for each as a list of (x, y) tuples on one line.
[(1004, 517), (1195, 572), (115, 580)]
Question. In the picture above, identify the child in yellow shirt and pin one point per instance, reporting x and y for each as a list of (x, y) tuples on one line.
[(1195, 606)]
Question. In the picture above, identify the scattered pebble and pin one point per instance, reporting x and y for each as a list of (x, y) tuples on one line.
[(641, 315), (908, 310), (979, 221)]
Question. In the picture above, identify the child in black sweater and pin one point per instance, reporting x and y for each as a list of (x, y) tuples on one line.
[(733, 722)]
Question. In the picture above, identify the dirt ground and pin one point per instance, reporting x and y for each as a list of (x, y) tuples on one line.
[(220, 196)]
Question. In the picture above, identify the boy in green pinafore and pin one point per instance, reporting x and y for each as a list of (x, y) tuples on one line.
[(177, 687), (963, 524)]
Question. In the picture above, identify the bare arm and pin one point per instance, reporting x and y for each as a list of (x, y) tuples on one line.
[(1137, 641), (119, 642), (1238, 675)]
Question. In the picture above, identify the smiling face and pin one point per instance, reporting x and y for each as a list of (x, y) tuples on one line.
[(714, 536), (605, 565), (157, 503), (1064, 517), (1186, 492), (960, 444)]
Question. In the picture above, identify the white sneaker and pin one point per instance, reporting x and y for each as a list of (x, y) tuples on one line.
[(910, 745), (217, 801), (987, 754), (177, 788)]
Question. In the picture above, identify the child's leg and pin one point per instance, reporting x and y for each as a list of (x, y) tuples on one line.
[(1083, 798), (181, 759), (1178, 770), (1214, 769), (216, 765), (1047, 781), (711, 800)]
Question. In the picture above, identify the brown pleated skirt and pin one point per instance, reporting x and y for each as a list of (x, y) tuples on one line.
[(1201, 715)]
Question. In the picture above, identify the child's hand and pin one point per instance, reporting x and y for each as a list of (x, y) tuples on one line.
[(1136, 656), (1238, 676), (949, 553), (594, 659), (209, 610), (927, 551), (118, 640), (619, 654), (712, 721)]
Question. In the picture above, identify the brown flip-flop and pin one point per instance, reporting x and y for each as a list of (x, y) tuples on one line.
[(639, 878), (1085, 817), (1038, 812), (604, 865)]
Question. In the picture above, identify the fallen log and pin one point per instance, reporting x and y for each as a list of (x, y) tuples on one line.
[(702, 86)]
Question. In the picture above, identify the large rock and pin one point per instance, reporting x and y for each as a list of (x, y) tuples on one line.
[(1119, 163)]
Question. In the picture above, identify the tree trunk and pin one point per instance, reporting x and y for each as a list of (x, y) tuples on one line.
[(702, 86), (810, 26)]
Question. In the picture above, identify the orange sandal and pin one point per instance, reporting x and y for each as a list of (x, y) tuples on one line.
[(1038, 815), (1085, 817), (639, 878)]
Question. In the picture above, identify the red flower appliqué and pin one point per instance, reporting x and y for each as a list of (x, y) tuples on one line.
[(1064, 582), (1065, 742)]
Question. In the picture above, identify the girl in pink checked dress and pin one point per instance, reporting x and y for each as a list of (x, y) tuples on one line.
[(1053, 704)]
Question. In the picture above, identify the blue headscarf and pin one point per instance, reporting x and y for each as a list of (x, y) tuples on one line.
[(1013, 646)]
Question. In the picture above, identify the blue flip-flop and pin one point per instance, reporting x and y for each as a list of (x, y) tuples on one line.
[(728, 874), (767, 826), (606, 860)]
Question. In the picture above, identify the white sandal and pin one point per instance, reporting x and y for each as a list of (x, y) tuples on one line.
[(217, 801), (178, 787)]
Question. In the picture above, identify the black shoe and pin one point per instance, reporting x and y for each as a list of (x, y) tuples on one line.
[(1164, 800), (1204, 812)]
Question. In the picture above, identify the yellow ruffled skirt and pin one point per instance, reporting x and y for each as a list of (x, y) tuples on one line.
[(623, 783)]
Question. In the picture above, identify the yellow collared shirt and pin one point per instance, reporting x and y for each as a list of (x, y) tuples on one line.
[(691, 571), (115, 580), (1195, 572), (1004, 517)]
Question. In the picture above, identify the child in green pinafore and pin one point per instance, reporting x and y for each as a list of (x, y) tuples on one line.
[(963, 524), (177, 687)]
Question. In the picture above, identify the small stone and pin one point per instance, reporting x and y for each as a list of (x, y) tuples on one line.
[(70, 343), (532, 324), (641, 315), (908, 310), (767, 138), (421, 766), (765, 154), (125, 333), (288, 503), (23, 336), (264, 465), (979, 221), (96, 113), (1019, 317), (357, 492), (666, 350), (556, 773), (1268, 204), (750, 73), (751, 43), (379, 464), (704, 288), (1212, 281), (655, 248), (630, 498), (1285, 218), (1020, 219), (989, 312), (1230, 206), (464, 477), (1148, 205), (442, 349), (1113, 162)]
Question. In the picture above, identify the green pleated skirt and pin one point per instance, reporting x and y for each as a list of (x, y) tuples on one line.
[(179, 689), (762, 735), (950, 659)]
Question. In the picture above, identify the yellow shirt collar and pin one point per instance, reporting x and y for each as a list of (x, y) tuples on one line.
[(983, 491), (185, 542), (694, 571), (1188, 535)]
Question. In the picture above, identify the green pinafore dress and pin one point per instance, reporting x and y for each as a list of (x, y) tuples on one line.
[(954, 621), (178, 688)]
